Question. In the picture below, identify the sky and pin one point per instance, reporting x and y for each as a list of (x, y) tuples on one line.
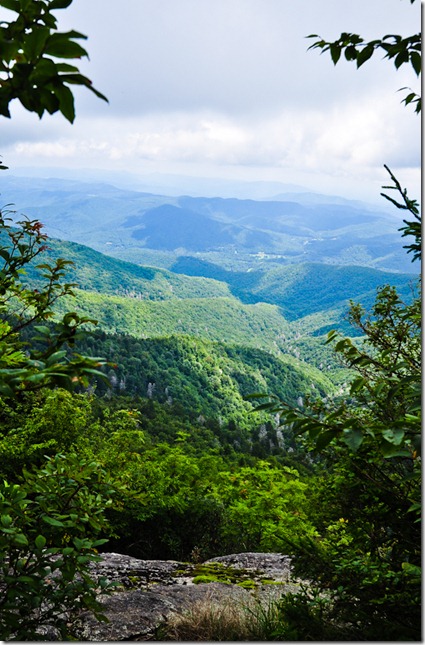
[(227, 89)]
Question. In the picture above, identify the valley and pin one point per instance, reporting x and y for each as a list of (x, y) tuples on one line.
[(154, 229), (278, 313)]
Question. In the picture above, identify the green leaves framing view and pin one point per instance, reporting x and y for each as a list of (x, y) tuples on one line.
[(231, 411)]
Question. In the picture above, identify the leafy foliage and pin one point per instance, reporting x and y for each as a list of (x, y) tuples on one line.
[(263, 506), (22, 365), (400, 50), (50, 519), (32, 67), (412, 228), (49, 523), (183, 483), (40, 424)]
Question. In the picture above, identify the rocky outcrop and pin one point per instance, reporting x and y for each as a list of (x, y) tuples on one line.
[(273, 565), (136, 615), (130, 572), (148, 591)]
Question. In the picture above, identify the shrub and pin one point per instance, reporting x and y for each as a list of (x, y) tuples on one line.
[(48, 528)]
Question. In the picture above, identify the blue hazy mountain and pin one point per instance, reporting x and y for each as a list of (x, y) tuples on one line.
[(130, 224)]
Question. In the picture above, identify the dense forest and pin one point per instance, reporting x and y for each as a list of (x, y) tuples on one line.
[(198, 411)]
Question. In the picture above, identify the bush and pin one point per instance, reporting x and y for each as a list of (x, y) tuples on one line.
[(48, 528)]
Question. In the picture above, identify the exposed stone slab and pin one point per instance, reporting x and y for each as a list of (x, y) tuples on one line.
[(275, 565), (132, 572), (136, 615), (150, 590)]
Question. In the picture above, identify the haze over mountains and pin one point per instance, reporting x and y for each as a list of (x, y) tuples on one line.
[(155, 229)]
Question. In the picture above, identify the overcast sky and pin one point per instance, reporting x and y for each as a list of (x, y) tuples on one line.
[(226, 88)]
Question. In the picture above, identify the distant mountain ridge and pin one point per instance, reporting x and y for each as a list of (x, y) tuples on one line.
[(127, 224)]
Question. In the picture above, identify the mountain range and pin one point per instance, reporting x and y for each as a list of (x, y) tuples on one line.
[(149, 228), (284, 311), (223, 296)]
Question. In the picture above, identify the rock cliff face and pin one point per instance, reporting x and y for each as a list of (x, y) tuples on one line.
[(150, 590)]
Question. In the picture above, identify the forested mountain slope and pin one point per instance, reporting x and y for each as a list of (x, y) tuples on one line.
[(300, 289), (221, 319), (202, 377), (315, 295), (94, 271), (225, 307)]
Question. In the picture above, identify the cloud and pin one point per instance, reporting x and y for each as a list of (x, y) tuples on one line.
[(351, 135), (242, 57), (229, 85)]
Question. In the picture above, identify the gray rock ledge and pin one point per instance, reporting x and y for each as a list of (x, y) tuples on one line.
[(148, 591)]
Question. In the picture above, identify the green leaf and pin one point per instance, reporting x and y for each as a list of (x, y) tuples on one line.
[(79, 544), (36, 378), (256, 395), (357, 384), (6, 520), (335, 52), (79, 79), (364, 55), (42, 329), (66, 101), (402, 57), (59, 4), (353, 438), (43, 72), (266, 406), (53, 522), (13, 5), (20, 539), (412, 569), (331, 336), (26, 579), (416, 61), (35, 42), (324, 439), (68, 550), (61, 46), (40, 542), (56, 357), (394, 436), (350, 53), (415, 508), (389, 450), (66, 68)]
